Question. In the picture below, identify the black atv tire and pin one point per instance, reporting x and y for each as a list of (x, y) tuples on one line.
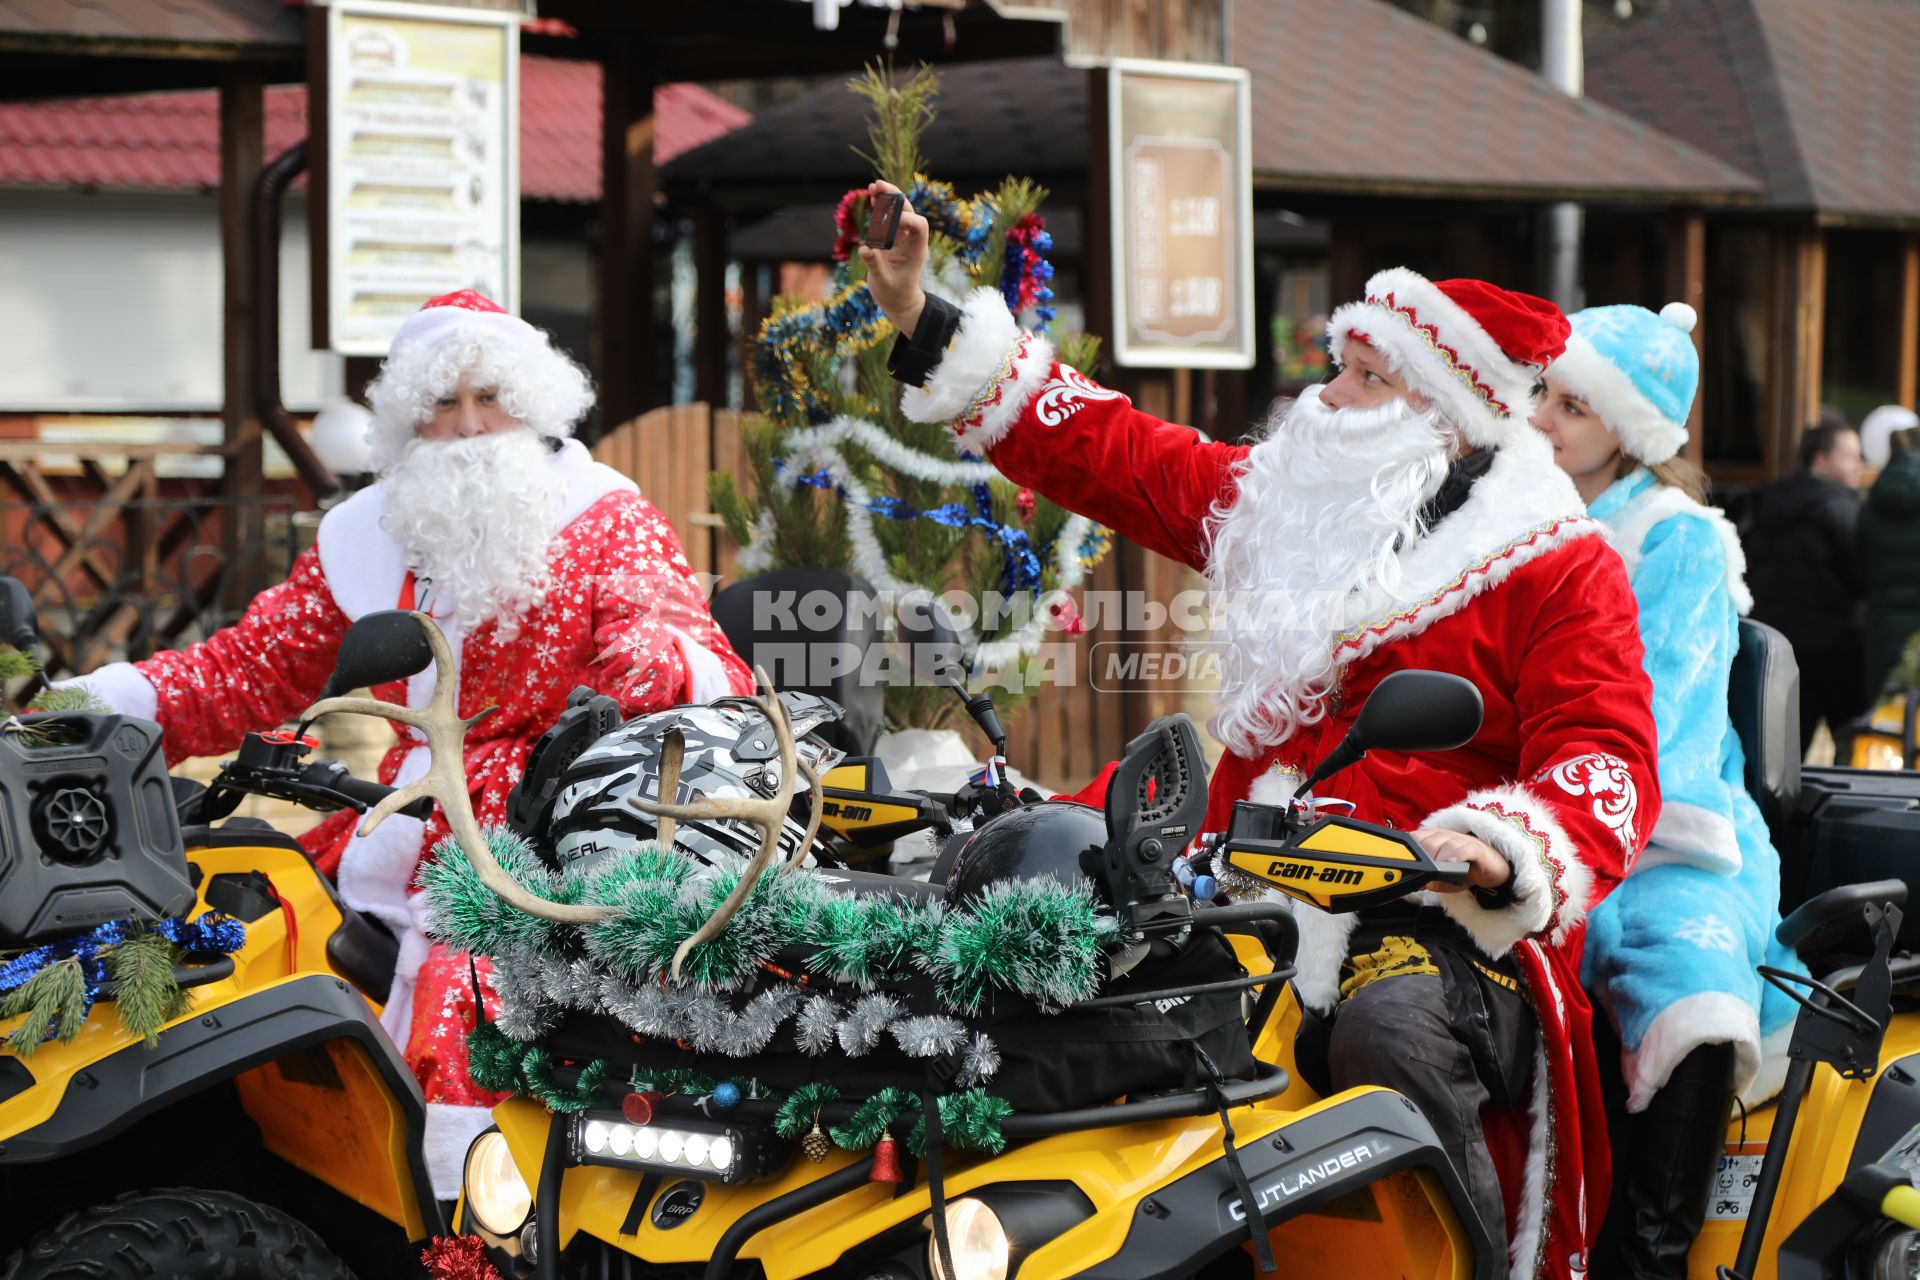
[(180, 1233)]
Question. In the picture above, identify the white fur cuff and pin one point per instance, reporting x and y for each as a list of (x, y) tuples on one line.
[(1711, 1017), (121, 686), (1694, 837), (1550, 885), (986, 377)]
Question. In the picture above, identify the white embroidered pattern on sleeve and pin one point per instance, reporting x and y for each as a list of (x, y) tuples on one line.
[(1609, 782)]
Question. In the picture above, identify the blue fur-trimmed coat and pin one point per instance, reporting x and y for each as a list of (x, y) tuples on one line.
[(1671, 953)]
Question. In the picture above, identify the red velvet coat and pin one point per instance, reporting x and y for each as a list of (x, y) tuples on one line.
[(1517, 591), (624, 615)]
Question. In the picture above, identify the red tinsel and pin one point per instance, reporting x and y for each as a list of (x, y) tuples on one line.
[(1027, 504), (1020, 238), (458, 1258), (844, 223)]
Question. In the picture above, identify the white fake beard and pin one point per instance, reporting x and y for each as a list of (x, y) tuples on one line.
[(1325, 505), (477, 519)]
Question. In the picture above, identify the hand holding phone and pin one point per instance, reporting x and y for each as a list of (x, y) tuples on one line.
[(883, 219)]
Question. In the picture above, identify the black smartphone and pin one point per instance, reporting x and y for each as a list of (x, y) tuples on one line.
[(883, 219)]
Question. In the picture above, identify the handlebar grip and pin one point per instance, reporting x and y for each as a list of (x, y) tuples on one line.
[(333, 775)]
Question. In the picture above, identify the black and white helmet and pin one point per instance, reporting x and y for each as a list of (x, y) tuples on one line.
[(730, 750)]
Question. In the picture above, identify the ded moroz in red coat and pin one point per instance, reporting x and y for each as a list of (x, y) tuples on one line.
[(624, 614), (1519, 592)]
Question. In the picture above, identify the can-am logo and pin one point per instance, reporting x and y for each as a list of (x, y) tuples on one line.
[(1291, 1182)]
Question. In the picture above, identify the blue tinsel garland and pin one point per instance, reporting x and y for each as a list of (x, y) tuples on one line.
[(202, 938)]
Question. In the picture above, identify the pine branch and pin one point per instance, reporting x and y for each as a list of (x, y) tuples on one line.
[(54, 1002), (900, 114), (15, 665), (145, 993)]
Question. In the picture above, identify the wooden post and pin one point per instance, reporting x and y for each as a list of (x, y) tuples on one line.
[(711, 339), (626, 349), (1907, 348), (243, 474), (1687, 282), (1799, 306), (1097, 257)]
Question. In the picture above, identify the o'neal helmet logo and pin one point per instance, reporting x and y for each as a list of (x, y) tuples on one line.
[(677, 1203)]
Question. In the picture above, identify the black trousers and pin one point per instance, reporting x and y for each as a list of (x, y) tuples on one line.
[(1453, 1043)]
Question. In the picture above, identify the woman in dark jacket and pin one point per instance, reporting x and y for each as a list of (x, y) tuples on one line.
[(1889, 534)]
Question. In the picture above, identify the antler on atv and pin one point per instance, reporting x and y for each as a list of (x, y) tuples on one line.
[(446, 782), (766, 812)]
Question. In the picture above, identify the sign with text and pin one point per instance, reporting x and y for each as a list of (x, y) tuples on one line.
[(1182, 201), (422, 148)]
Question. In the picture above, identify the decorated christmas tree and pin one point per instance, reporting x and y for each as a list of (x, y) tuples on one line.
[(843, 480)]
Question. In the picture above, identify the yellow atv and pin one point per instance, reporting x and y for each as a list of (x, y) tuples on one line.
[(1148, 1128), (268, 1127), (1800, 1189)]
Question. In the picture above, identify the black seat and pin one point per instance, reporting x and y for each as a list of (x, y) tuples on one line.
[(1764, 697), (769, 621)]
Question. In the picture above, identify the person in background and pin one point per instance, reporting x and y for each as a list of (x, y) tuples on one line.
[(1671, 953), (1889, 541), (1806, 575), (1877, 430)]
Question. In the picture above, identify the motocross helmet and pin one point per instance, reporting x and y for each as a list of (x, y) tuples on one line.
[(1058, 838), (730, 750)]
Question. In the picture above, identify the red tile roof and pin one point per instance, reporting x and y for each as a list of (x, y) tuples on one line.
[(171, 141)]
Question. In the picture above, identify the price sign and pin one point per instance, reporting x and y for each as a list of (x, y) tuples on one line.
[(1182, 201), (422, 152)]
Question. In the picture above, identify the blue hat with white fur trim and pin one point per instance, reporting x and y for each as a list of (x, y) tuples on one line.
[(1638, 371)]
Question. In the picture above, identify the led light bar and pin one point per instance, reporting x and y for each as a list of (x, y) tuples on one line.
[(711, 1152)]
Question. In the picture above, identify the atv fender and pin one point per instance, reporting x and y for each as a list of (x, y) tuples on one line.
[(314, 1031)]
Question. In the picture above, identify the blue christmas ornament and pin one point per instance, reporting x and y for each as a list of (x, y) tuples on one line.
[(726, 1095)]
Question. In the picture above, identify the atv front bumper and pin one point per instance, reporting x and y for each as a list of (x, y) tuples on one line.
[(1355, 1187)]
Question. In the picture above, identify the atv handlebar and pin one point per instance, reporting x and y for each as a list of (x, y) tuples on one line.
[(269, 764)]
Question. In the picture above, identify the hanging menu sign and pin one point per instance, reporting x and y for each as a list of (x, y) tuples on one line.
[(422, 158), (1182, 200)]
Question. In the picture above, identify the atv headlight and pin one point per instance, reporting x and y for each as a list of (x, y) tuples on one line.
[(498, 1199), (1897, 1257), (980, 1245)]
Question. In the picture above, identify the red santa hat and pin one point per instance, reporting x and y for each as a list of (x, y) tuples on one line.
[(1472, 348), (468, 333)]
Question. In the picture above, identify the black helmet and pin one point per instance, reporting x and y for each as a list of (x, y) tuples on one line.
[(1058, 838)]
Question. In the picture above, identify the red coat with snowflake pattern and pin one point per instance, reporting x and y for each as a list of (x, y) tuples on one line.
[(623, 615)]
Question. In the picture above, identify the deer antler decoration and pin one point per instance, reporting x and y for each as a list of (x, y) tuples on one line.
[(768, 813), (446, 780)]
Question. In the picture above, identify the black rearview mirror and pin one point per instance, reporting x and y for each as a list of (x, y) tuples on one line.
[(1408, 711), (378, 649), (931, 640), (18, 625), (1418, 711)]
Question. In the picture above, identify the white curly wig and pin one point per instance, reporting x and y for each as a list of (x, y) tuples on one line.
[(538, 384)]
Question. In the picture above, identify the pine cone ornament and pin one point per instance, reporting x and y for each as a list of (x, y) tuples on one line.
[(816, 1144)]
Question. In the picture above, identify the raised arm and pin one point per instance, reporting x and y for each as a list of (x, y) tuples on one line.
[(1044, 424)]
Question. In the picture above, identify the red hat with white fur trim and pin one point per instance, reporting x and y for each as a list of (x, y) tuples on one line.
[(441, 316), (468, 334), (1472, 348)]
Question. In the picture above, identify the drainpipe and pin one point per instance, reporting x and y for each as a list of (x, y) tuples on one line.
[(275, 178), (1563, 63)]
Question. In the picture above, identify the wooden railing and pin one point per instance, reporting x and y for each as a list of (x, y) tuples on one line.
[(1066, 734), (124, 563)]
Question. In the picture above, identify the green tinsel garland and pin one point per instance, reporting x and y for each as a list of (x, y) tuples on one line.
[(1039, 939), (969, 1120), (873, 1118), (802, 1108), (501, 1064)]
